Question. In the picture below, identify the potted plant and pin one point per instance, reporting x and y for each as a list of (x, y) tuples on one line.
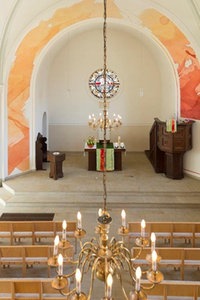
[(90, 141)]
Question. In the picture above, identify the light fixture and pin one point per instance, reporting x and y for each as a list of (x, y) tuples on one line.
[(105, 258)]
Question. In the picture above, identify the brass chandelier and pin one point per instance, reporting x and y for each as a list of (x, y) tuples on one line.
[(103, 258)]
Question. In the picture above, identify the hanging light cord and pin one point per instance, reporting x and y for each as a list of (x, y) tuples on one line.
[(104, 107)]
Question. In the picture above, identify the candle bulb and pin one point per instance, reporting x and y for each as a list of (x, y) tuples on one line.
[(100, 212), (153, 241), (138, 275), (64, 226), (154, 261), (60, 265), (78, 281), (143, 225), (79, 219), (123, 215), (109, 282), (56, 242)]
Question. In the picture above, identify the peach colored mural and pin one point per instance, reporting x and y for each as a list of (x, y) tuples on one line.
[(184, 57), (21, 72), (33, 43)]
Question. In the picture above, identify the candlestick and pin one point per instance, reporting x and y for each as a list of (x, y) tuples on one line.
[(109, 282), (78, 281), (79, 219), (64, 226), (56, 242), (154, 261), (143, 225), (153, 241), (60, 264), (138, 275), (123, 215)]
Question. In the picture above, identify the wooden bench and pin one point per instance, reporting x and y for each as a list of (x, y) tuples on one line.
[(35, 231), (32, 289), (30, 255), (178, 258), (168, 232)]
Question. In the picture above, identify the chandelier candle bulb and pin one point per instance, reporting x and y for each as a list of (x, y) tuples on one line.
[(143, 225), (60, 265), (56, 242), (153, 241), (154, 261), (109, 282), (78, 281), (123, 215), (138, 275), (79, 219), (64, 226)]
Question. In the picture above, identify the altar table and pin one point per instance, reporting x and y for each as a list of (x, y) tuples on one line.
[(92, 163)]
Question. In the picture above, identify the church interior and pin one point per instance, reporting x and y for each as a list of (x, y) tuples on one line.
[(100, 149)]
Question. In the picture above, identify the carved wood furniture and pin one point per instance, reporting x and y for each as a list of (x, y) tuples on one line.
[(40, 151), (56, 159), (167, 148)]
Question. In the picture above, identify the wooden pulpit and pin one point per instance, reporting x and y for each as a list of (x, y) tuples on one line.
[(167, 148)]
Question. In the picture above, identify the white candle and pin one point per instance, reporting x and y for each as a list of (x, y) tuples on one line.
[(138, 275), (109, 282), (60, 265), (79, 219), (56, 242), (123, 215), (78, 281), (154, 261), (64, 226), (100, 212), (143, 225), (153, 241)]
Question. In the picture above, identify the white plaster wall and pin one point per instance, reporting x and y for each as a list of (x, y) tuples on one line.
[(70, 100)]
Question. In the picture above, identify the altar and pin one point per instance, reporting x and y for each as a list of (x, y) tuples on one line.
[(93, 164)]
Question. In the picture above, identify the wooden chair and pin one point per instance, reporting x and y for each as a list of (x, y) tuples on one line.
[(43, 230), (23, 230), (183, 231), (37, 255), (27, 289), (6, 231), (6, 290), (12, 255)]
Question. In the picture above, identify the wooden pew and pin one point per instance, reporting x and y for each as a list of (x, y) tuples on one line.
[(23, 230), (6, 290), (170, 232), (37, 255), (6, 231), (12, 255), (43, 230), (27, 290)]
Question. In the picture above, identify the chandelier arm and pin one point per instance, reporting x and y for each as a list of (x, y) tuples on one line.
[(92, 277), (138, 255), (120, 277), (69, 293), (147, 287)]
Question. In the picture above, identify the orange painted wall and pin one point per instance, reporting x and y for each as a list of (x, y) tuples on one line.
[(33, 43)]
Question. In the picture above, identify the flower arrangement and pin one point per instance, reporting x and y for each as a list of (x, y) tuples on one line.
[(90, 141)]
